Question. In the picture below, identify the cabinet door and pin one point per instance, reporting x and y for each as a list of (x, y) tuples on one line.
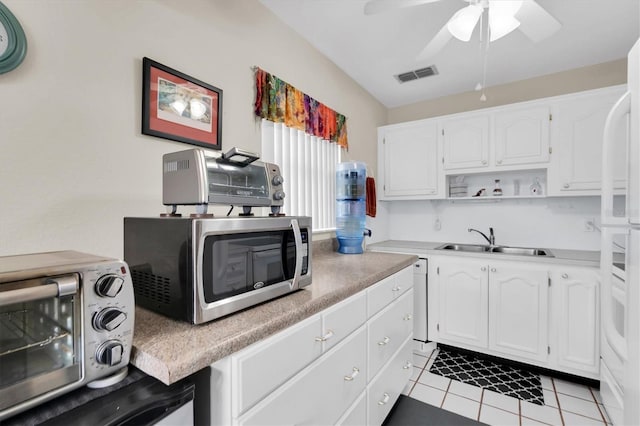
[(576, 302), (577, 143), (410, 155), (518, 310), (463, 295), (522, 136), (465, 142)]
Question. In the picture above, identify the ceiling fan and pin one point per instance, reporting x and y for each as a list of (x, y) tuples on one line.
[(504, 16)]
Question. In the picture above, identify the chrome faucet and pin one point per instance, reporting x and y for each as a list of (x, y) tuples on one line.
[(491, 238)]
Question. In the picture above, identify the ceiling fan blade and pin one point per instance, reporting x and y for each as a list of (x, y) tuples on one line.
[(435, 45), (377, 6), (535, 22)]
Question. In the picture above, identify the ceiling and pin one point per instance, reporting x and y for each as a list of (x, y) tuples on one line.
[(372, 49)]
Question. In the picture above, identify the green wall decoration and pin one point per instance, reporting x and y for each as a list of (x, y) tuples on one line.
[(13, 43)]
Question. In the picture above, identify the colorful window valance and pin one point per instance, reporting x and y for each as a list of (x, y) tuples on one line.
[(280, 102)]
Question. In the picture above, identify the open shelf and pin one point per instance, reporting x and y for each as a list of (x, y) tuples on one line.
[(514, 185)]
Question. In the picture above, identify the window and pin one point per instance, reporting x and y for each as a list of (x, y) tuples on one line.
[(308, 166)]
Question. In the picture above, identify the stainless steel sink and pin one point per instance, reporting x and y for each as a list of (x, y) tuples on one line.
[(522, 251), (475, 248), (465, 247)]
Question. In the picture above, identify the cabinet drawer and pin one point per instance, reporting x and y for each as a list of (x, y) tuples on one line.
[(342, 319), (387, 386), (388, 330), (383, 293), (261, 368), (357, 414), (321, 393)]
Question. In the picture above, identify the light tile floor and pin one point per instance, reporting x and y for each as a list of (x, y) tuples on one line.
[(566, 403)]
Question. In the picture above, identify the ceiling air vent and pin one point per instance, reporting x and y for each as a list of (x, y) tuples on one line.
[(416, 74)]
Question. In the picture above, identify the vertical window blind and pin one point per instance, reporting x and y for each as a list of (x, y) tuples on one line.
[(308, 166)]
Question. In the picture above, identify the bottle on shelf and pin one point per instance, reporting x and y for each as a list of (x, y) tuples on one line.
[(497, 190)]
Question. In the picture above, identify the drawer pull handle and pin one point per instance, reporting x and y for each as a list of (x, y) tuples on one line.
[(396, 288), (484, 268), (407, 366), (384, 400), (326, 337), (384, 341), (493, 269), (565, 276), (353, 375), (407, 317)]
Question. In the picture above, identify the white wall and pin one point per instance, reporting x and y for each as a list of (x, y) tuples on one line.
[(74, 162), (543, 223)]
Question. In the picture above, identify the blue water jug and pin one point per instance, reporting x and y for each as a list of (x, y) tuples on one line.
[(350, 206)]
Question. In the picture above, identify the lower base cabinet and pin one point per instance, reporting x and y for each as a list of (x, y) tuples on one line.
[(546, 315), (356, 361), (319, 395), (386, 387)]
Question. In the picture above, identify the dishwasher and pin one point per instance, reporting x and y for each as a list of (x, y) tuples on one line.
[(420, 275)]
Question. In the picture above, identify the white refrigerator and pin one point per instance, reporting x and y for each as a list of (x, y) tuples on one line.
[(620, 259)]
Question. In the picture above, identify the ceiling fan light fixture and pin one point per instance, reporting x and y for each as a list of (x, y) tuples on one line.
[(462, 24), (501, 25)]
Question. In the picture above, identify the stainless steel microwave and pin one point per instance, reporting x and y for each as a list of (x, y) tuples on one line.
[(198, 270)]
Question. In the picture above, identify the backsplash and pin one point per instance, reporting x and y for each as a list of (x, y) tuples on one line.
[(544, 222)]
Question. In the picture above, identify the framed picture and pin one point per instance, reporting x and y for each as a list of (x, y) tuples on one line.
[(179, 107)]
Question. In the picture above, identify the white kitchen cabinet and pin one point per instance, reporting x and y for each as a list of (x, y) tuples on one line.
[(465, 141), (388, 330), (544, 314), (576, 164), (521, 136), (386, 387), (321, 393), (518, 309), (409, 163), (463, 291), (318, 371), (575, 298), (492, 305)]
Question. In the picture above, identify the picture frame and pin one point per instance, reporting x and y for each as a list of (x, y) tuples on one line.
[(179, 107)]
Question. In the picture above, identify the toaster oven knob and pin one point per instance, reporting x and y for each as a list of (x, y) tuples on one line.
[(277, 180), (110, 353), (109, 285), (108, 319), (278, 195)]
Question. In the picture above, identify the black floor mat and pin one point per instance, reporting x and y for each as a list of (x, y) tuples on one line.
[(483, 373), (411, 412)]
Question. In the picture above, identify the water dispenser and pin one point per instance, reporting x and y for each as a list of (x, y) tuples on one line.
[(350, 206)]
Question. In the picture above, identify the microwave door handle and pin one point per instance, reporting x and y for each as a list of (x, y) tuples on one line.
[(60, 286), (295, 282), (615, 117)]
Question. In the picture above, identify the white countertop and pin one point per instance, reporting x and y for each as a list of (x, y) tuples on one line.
[(429, 248)]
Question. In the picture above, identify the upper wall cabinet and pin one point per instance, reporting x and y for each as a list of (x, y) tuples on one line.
[(559, 138), (522, 136), (465, 142), (408, 161), (577, 144), (496, 140)]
